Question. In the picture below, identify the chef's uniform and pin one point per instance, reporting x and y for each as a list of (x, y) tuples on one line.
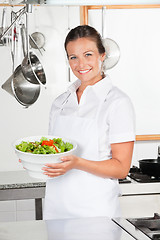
[(104, 116)]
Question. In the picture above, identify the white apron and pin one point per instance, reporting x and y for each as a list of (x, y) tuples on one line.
[(78, 193)]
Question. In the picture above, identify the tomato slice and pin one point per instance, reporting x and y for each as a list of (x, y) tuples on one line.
[(49, 143)]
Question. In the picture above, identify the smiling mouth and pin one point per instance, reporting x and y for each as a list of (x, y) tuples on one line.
[(84, 71)]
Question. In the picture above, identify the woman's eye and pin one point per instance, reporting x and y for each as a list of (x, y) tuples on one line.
[(88, 54), (72, 58)]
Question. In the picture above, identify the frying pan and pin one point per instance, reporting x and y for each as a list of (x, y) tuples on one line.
[(150, 167), (112, 53)]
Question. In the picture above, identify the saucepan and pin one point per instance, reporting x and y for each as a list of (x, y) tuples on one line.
[(32, 69), (31, 66), (26, 93), (150, 167)]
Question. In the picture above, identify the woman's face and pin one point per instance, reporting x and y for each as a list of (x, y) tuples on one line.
[(85, 60)]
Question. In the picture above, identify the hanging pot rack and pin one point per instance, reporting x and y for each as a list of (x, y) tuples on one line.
[(25, 9)]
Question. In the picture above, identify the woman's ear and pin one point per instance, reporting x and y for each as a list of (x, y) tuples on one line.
[(103, 56)]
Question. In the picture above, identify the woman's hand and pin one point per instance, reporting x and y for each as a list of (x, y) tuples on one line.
[(58, 169)]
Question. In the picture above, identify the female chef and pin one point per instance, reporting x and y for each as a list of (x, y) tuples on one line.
[(100, 118)]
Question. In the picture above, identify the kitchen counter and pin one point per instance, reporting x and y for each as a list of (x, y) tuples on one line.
[(21, 180), (17, 185), (136, 188), (98, 228)]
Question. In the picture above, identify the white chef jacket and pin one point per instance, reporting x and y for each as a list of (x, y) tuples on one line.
[(116, 119), (104, 116)]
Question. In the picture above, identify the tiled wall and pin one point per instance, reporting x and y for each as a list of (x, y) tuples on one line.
[(19, 210)]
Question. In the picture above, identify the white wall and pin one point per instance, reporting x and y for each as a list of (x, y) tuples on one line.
[(136, 32)]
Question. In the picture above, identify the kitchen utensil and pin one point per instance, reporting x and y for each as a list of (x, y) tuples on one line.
[(112, 53), (2, 28), (111, 47), (23, 38), (31, 66), (33, 163), (68, 29), (150, 167), (19, 15), (13, 40), (25, 92), (33, 70), (37, 40)]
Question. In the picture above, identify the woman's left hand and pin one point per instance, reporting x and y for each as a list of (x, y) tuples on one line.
[(58, 169)]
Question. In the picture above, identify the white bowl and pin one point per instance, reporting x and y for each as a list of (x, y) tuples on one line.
[(33, 163)]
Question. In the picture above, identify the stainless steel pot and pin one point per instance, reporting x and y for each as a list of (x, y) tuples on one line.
[(31, 66), (32, 69), (26, 93)]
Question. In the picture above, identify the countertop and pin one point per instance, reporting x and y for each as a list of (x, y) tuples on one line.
[(21, 179), (98, 228)]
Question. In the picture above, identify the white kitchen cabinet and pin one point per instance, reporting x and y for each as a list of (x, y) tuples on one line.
[(140, 205)]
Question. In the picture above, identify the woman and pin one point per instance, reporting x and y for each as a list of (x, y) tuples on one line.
[(100, 118)]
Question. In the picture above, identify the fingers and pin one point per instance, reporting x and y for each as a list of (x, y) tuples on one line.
[(52, 175), (53, 165), (57, 169), (53, 172)]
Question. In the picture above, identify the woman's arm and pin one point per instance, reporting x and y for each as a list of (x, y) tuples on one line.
[(117, 167)]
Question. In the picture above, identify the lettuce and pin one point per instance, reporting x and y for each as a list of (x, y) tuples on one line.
[(37, 147)]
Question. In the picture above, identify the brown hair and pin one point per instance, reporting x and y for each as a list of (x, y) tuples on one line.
[(85, 31)]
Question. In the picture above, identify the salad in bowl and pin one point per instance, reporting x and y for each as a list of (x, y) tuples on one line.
[(35, 151)]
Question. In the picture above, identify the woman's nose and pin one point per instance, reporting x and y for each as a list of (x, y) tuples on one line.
[(81, 62)]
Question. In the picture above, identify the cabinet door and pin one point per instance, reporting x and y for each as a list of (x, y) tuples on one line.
[(140, 205)]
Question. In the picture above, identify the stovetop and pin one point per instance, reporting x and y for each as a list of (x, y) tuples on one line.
[(149, 226), (136, 175), (141, 228)]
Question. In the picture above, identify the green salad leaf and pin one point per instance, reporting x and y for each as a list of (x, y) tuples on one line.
[(45, 146)]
